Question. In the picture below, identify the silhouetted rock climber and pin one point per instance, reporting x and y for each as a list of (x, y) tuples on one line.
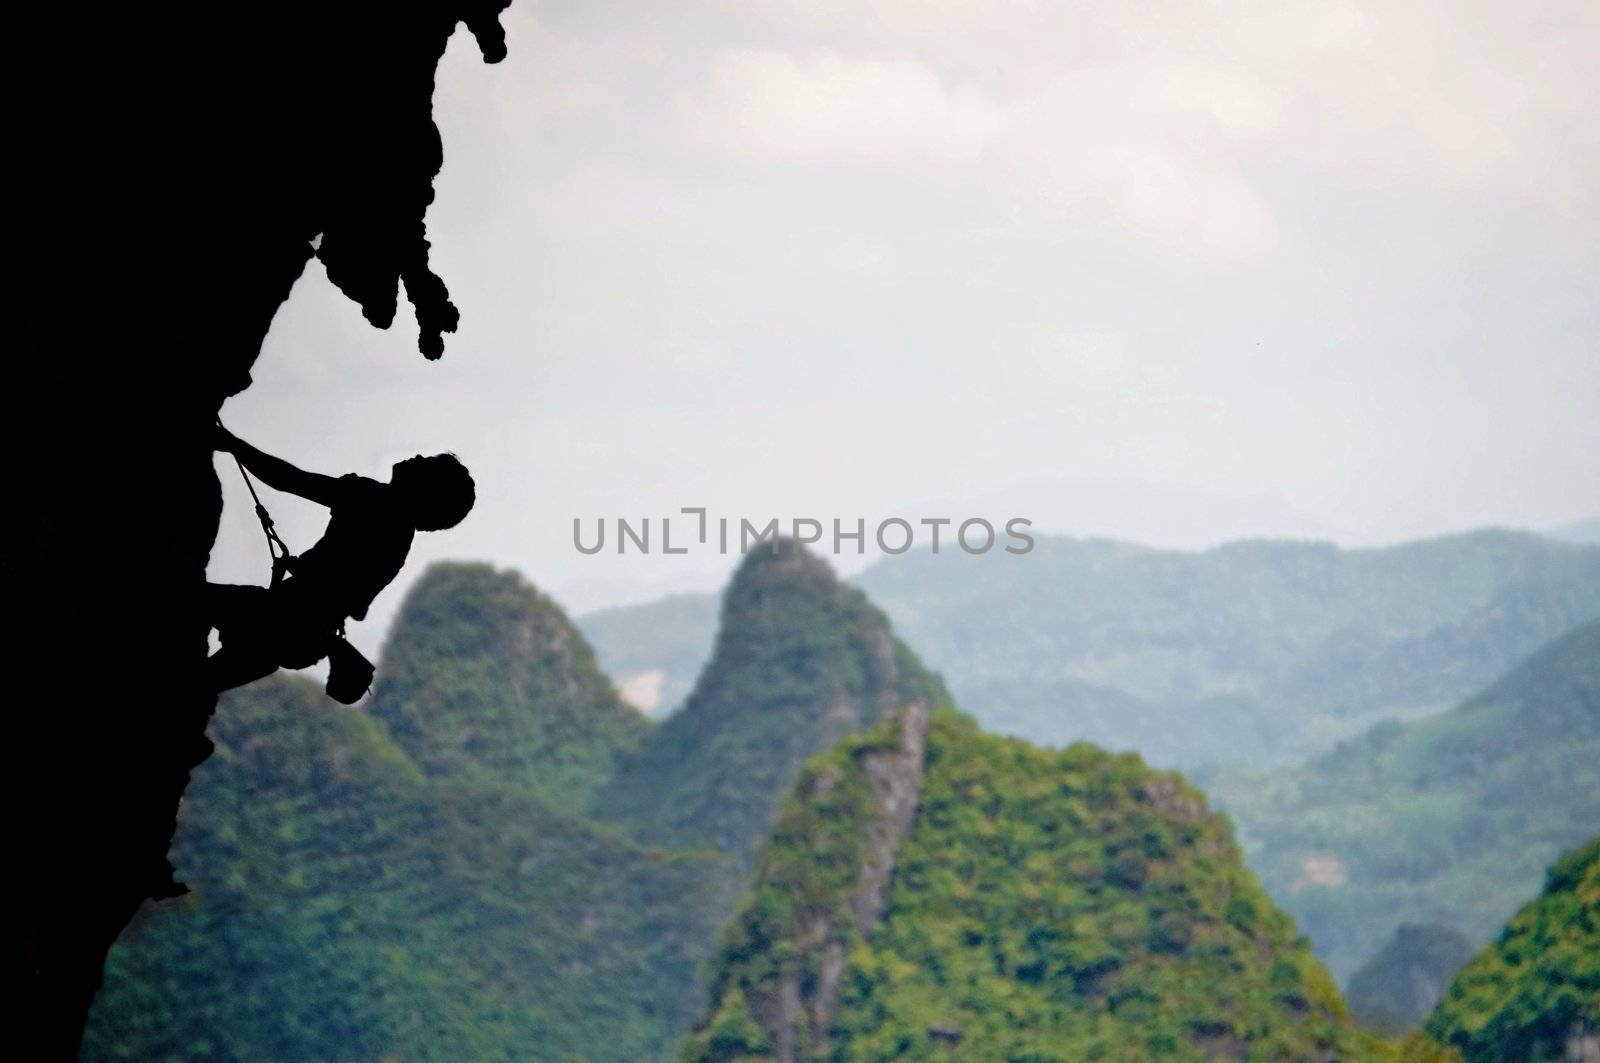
[(300, 618)]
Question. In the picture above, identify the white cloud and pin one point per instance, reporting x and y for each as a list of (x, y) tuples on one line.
[(1147, 147), (825, 105), (741, 254)]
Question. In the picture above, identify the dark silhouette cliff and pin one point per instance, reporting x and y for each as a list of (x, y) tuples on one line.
[(178, 166)]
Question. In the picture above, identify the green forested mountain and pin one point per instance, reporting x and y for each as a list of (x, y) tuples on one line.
[(1534, 994), (1448, 820), (485, 678), (801, 661), (1253, 652), (424, 877), (1039, 905), (347, 906), (1398, 988)]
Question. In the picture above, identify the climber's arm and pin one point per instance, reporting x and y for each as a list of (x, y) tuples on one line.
[(275, 472)]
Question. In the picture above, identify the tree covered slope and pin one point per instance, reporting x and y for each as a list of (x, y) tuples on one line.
[(1534, 994), (485, 678)]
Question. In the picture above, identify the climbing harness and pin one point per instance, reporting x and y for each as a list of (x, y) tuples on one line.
[(349, 673)]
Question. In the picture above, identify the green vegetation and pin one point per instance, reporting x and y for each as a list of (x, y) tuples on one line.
[(498, 858), (801, 661), (1535, 993), (1449, 819), (1046, 905), (414, 880), (1397, 989), (346, 906)]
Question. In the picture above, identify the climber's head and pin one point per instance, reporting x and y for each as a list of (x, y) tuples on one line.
[(438, 490)]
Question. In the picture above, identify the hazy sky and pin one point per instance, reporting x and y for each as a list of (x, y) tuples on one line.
[(1315, 268)]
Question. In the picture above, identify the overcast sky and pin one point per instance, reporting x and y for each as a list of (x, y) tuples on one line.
[(1266, 267)]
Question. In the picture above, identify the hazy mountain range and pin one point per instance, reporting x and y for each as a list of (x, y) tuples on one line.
[(1450, 819), (1253, 652)]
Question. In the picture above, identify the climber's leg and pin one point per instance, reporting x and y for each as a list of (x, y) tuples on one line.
[(230, 604)]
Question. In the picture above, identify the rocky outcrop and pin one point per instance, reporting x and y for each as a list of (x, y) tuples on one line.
[(162, 223), (882, 779)]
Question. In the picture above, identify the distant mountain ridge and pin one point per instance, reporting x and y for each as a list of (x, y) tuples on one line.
[(1257, 652), (1397, 989), (671, 636), (1579, 531), (1449, 819)]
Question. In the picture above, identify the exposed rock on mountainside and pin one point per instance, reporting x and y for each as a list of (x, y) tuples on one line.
[(1043, 905)]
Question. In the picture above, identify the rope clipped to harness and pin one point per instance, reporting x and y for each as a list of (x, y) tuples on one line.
[(282, 556)]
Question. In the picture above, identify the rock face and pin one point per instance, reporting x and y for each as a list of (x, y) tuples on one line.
[(1034, 905), (163, 226), (1535, 993), (834, 842), (800, 1011)]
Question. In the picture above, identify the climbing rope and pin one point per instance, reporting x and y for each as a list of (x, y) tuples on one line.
[(282, 557)]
